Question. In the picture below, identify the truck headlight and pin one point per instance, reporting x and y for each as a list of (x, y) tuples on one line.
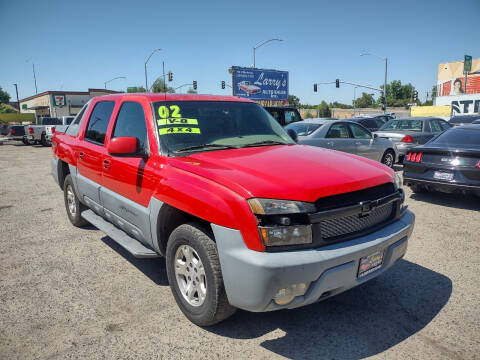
[(283, 222), (286, 235), (278, 207), (398, 182)]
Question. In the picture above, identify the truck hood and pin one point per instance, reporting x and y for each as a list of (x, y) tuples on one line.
[(291, 172)]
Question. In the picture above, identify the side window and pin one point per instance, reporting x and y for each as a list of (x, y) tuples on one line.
[(131, 123), (75, 124), (359, 132), (98, 122), (445, 125), (338, 131), (276, 115), (291, 116), (435, 125)]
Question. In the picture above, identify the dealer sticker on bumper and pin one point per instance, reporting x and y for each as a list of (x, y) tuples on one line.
[(440, 175), (370, 263)]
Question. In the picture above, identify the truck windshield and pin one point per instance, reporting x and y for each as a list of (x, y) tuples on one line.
[(187, 126)]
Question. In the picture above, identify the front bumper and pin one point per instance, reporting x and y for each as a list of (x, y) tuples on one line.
[(253, 278)]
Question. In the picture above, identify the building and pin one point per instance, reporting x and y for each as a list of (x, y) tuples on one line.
[(451, 89), (59, 103)]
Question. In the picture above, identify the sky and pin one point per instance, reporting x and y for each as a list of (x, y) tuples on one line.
[(76, 45)]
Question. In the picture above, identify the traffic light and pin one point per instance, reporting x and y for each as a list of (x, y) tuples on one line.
[(382, 100), (170, 76), (223, 84), (337, 83), (194, 84), (315, 87), (415, 95)]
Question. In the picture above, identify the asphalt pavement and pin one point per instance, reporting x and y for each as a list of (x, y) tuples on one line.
[(74, 293)]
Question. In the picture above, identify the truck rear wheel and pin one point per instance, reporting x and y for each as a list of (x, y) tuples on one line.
[(44, 141), (195, 276), (72, 205)]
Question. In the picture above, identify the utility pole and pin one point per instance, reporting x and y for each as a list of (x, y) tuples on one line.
[(34, 78), (18, 102)]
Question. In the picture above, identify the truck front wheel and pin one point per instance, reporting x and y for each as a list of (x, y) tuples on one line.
[(195, 277), (73, 206)]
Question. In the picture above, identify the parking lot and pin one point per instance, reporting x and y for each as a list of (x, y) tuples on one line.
[(74, 293)]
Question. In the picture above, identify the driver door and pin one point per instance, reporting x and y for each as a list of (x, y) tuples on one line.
[(129, 182), (364, 142)]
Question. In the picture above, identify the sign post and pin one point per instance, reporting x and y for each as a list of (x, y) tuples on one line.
[(467, 67)]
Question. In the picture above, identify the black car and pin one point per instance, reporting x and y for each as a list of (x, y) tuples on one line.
[(448, 163), (476, 122), (372, 123), (463, 119), (284, 114)]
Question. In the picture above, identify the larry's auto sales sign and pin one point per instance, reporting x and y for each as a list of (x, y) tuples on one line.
[(260, 84)]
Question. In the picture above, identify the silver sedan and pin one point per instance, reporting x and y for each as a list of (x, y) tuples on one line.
[(344, 136)]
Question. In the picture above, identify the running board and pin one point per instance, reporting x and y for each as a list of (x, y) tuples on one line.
[(133, 246)]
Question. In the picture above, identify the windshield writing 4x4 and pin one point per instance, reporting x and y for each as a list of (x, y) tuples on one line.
[(215, 125)]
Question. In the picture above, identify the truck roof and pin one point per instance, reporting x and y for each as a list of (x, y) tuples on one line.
[(175, 97)]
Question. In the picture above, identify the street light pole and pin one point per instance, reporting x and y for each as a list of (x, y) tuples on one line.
[(18, 102), (34, 78), (354, 100), (118, 77), (146, 82), (261, 44), (385, 79)]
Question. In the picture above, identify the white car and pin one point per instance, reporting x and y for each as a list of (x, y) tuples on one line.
[(248, 88)]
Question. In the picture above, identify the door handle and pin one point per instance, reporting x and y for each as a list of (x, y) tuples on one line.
[(106, 164), (81, 155)]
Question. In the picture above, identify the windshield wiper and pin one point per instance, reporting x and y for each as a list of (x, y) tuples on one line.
[(202, 146), (265, 142)]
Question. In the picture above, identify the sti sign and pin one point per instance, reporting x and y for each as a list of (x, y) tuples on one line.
[(259, 84)]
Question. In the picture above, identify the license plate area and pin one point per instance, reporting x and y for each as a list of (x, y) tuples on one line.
[(442, 175), (370, 263)]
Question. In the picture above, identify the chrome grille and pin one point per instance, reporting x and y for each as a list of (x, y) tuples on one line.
[(332, 228)]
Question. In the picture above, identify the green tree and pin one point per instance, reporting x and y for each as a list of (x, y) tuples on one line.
[(324, 110), (365, 101), (4, 109), (4, 96), (397, 94), (191, 91), (160, 87), (434, 92), (338, 105), (293, 100)]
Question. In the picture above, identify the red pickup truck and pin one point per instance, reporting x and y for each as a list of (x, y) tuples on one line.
[(245, 217)]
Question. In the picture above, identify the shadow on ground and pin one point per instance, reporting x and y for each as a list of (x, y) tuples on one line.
[(459, 201), (362, 322), (154, 269)]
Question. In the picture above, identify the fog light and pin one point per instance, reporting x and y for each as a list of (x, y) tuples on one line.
[(286, 295)]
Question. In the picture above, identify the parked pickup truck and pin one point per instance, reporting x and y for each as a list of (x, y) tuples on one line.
[(63, 122), (37, 134), (244, 216)]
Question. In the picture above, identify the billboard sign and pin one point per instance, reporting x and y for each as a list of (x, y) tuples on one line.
[(259, 84), (451, 78)]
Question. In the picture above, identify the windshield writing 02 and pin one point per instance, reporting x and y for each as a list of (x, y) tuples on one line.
[(215, 125)]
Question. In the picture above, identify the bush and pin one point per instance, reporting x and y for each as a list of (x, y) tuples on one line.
[(17, 118)]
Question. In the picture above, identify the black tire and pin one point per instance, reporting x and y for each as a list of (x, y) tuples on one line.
[(25, 141), (388, 158), (44, 141), (215, 306), (418, 189), (70, 197)]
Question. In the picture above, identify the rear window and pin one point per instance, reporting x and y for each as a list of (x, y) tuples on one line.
[(303, 129), (459, 136), (407, 125), (51, 121)]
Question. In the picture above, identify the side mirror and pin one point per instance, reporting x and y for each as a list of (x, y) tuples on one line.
[(124, 146), (375, 135), (293, 134)]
